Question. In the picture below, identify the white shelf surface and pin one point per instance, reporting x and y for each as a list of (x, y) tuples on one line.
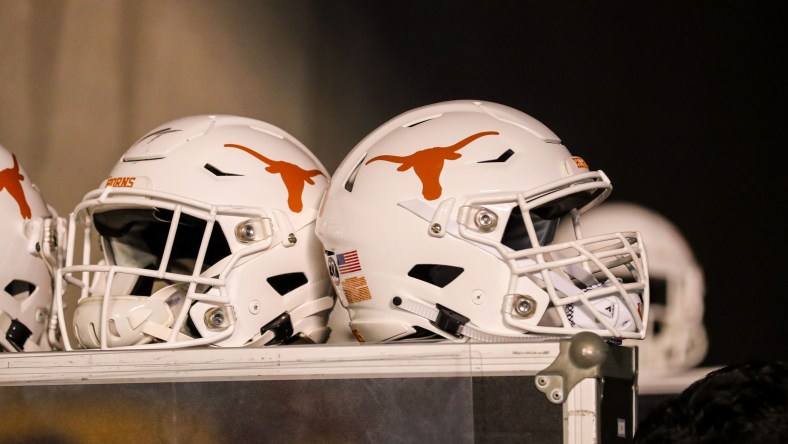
[(282, 362)]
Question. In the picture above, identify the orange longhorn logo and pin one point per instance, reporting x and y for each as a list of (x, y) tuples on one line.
[(11, 180), (428, 163), (293, 176)]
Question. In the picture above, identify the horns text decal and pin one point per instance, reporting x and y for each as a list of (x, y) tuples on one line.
[(11, 180), (428, 163), (293, 176)]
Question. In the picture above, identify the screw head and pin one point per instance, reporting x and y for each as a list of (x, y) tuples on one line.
[(486, 220), (254, 307), (524, 306), (217, 318), (477, 296), (41, 314)]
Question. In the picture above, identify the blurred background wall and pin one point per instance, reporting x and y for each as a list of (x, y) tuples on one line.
[(682, 104)]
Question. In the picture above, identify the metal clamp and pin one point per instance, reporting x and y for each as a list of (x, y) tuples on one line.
[(579, 358)]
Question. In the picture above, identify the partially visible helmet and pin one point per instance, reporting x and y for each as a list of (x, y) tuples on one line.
[(439, 226), (675, 336), (206, 233), (30, 231)]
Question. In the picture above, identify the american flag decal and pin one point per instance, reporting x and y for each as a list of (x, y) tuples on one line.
[(348, 262)]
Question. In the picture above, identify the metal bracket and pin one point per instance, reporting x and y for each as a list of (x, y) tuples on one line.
[(578, 358)]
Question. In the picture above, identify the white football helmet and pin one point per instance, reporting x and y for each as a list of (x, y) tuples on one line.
[(30, 232), (206, 226), (438, 226), (675, 336)]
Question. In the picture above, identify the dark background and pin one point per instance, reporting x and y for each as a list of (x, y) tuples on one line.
[(682, 104)]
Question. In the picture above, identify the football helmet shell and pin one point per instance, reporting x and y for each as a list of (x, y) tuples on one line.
[(438, 226), (30, 231), (206, 232)]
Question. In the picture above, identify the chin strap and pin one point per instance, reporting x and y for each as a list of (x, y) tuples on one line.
[(161, 332), (260, 340), (457, 325), (296, 318), (141, 318)]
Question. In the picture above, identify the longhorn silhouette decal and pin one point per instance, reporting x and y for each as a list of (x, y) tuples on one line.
[(11, 180), (428, 163), (293, 176)]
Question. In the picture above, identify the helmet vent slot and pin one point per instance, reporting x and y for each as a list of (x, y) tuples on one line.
[(20, 289), (285, 283), (351, 179), (418, 123), (435, 274), (501, 159), (218, 172)]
